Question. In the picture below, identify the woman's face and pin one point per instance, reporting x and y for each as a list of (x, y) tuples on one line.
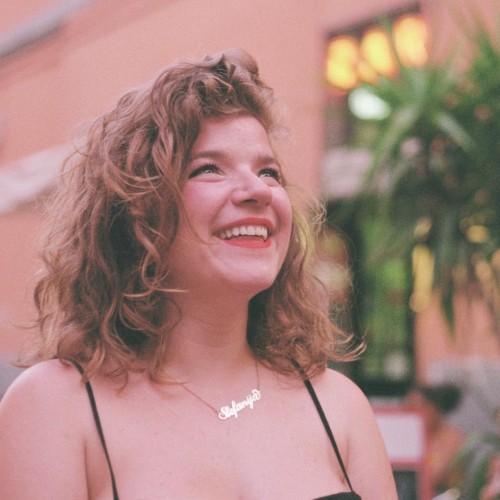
[(238, 210)]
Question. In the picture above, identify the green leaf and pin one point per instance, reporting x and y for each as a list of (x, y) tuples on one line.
[(398, 128), (451, 176), (449, 125)]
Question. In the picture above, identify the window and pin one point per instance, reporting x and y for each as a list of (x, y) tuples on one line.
[(363, 55)]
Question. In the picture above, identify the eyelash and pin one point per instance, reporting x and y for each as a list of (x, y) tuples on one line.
[(210, 167), (202, 169), (272, 172)]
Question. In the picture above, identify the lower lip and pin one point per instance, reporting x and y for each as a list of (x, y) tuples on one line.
[(249, 243)]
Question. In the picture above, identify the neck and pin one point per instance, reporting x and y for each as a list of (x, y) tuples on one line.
[(207, 343)]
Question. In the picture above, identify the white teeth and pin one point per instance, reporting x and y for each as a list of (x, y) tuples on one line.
[(244, 230)]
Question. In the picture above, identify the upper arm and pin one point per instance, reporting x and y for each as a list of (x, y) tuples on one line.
[(368, 462), (366, 458), (42, 448)]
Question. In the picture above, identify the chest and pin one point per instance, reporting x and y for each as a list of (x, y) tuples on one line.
[(175, 447)]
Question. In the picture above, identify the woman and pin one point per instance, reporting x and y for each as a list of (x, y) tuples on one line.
[(176, 282)]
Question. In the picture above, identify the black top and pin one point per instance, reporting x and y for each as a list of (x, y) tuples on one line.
[(351, 495)]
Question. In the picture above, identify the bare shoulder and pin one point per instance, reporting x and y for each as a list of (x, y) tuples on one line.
[(355, 426), (43, 384), (41, 432), (44, 398), (338, 390), (348, 406), (338, 381)]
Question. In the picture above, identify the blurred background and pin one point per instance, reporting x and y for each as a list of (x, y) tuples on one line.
[(393, 108)]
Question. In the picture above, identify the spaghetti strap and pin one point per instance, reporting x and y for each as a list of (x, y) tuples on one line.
[(322, 415), (324, 420), (97, 420)]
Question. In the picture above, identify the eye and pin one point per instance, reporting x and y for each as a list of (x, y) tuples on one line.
[(208, 168), (271, 172)]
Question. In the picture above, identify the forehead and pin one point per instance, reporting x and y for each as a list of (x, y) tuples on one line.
[(236, 131)]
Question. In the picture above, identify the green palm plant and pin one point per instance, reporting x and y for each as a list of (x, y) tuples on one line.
[(436, 169), (435, 177), (473, 461)]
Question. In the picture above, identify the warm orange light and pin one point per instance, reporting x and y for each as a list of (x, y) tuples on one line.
[(410, 39), (350, 61), (343, 58), (366, 72), (376, 51)]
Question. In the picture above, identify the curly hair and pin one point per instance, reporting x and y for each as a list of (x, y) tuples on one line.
[(104, 291)]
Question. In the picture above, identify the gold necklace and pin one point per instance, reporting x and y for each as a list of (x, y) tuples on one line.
[(232, 409)]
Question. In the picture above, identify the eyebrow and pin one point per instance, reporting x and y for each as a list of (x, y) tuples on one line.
[(262, 159)]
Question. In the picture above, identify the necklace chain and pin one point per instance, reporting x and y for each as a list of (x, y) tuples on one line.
[(231, 410)]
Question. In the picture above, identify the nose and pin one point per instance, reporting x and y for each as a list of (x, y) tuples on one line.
[(252, 189)]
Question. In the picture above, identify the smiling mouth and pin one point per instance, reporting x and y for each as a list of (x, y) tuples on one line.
[(245, 233)]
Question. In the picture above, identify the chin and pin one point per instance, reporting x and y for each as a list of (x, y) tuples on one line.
[(251, 288), (239, 279)]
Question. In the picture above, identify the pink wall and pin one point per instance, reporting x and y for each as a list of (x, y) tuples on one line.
[(471, 337), (16, 12), (18, 265), (81, 72)]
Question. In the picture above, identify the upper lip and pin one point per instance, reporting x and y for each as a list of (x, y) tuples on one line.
[(249, 221)]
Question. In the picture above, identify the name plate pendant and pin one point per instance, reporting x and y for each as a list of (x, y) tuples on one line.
[(232, 410)]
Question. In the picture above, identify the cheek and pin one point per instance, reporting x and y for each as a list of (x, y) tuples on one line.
[(197, 210), (203, 200), (285, 213)]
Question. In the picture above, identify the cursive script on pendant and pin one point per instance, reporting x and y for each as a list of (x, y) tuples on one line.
[(233, 410)]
